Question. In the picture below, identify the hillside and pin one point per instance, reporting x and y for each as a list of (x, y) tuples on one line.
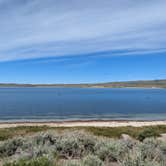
[(144, 83)]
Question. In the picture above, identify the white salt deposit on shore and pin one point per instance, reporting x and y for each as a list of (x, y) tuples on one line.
[(84, 124)]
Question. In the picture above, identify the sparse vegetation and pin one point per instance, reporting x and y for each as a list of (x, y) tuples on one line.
[(79, 147), (110, 132), (135, 132)]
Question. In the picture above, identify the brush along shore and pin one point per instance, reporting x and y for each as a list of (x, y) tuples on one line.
[(83, 146)]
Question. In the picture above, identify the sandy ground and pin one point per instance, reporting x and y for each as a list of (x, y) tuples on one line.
[(84, 123)]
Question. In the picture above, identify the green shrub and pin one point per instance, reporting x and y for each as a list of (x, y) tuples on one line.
[(88, 143), (135, 158), (68, 147), (75, 145), (148, 132), (77, 148), (150, 150), (34, 162), (73, 163), (137, 162), (112, 150), (92, 161), (163, 147), (9, 147), (107, 151)]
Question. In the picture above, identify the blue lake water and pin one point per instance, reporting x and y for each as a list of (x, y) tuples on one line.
[(82, 103)]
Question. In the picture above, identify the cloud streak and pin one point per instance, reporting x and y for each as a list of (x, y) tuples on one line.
[(39, 28)]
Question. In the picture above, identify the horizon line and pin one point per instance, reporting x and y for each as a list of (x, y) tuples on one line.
[(15, 83)]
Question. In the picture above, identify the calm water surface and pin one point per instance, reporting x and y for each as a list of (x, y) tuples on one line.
[(82, 103)]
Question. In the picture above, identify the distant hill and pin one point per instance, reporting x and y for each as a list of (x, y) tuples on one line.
[(146, 84)]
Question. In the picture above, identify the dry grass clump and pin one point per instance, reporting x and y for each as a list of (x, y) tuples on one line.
[(78, 148)]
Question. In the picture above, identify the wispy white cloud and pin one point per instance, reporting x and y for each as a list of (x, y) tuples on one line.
[(39, 28)]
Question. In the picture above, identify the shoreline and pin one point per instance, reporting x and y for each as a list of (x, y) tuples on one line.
[(89, 87), (85, 123)]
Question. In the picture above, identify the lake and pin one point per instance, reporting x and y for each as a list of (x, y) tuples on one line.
[(19, 104)]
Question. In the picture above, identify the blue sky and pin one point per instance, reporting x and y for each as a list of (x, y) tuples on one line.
[(73, 41)]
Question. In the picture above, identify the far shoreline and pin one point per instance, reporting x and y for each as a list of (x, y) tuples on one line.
[(152, 84)]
